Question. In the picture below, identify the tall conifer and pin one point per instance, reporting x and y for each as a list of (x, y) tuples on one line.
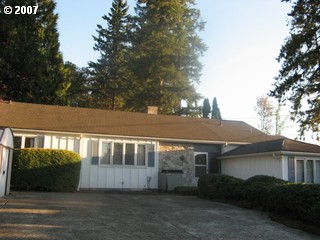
[(31, 65), (166, 51), (111, 82)]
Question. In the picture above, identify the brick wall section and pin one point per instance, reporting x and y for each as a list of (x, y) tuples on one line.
[(169, 159)]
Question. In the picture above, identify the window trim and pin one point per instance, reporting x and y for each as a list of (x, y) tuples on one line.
[(101, 153), (35, 137), (304, 160), (124, 143), (200, 165)]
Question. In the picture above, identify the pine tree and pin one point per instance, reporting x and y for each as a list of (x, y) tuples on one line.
[(110, 73), (31, 65), (78, 95), (206, 108), (215, 110), (299, 78), (166, 50)]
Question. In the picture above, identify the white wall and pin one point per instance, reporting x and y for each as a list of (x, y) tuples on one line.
[(115, 176), (71, 143), (102, 176), (247, 167)]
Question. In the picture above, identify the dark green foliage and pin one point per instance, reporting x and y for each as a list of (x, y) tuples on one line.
[(110, 74), (297, 201), (165, 54), (206, 109), (215, 110), (187, 191), (45, 169), (255, 189), (298, 79), (31, 65), (78, 95), (219, 186)]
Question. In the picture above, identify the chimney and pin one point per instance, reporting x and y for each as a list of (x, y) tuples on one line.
[(152, 110)]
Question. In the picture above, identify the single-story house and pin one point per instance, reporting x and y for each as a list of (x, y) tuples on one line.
[(283, 158), (6, 150), (125, 150)]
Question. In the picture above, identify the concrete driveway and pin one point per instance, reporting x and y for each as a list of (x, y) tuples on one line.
[(34, 215)]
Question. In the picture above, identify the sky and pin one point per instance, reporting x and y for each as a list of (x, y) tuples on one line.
[(243, 37)]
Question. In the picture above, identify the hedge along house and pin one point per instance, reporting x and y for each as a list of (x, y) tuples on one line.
[(128, 150), (6, 150), (283, 158)]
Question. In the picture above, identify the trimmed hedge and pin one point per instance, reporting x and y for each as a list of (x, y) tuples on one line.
[(45, 170), (295, 201), (254, 189), (219, 186)]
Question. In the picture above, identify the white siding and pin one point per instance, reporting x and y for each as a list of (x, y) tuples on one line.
[(115, 176), (62, 142), (247, 167)]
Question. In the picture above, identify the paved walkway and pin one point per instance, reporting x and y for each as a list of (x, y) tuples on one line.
[(28, 215)]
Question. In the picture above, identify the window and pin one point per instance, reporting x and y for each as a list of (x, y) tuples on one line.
[(300, 171), (291, 170), (29, 142), (106, 152), (117, 153), (151, 155), (129, 157), (141, 155), (200, 164), (309, 166), (40, 142), (317, 177), (94, 152), (17, 141)]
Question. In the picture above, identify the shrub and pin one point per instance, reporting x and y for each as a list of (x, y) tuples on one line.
[(255, 189), (297, 201), (45, 169), (219, 186), (187, 191)]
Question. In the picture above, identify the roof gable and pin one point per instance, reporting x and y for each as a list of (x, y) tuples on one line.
[(96, 121)]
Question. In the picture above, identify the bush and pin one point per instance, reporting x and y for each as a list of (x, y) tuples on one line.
[(45, 170), (255, 189), (297, 201), (219, 186)]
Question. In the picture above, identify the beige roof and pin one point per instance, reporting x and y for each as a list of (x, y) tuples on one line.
[(278, 145), (96, 121)]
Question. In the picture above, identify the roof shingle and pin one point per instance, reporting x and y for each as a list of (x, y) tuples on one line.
[(96, 121), (282, 144)]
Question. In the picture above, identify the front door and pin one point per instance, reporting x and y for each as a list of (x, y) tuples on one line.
[(200, 164)]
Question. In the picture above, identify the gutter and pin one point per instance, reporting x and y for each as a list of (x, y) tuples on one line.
[(130, 137), (273, 154)]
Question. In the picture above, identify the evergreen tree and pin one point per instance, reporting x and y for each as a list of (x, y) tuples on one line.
[(166, 50), (298, 80), (206, 108), (31, 65), (215, 110), (78, 94), (111, 78)]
